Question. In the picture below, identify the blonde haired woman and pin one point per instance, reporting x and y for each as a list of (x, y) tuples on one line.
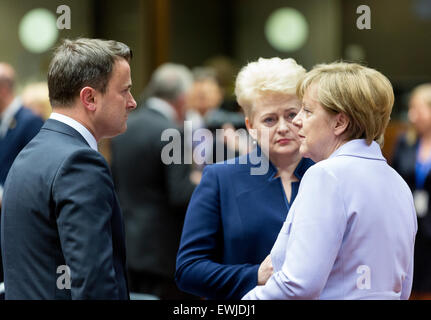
[(412, 160), (234, 215), (350, 232)]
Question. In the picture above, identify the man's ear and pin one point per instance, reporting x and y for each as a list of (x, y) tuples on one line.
[(87, 97), (252, 132), (341, 123)]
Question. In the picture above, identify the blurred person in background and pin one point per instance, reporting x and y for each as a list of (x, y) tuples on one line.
[(203, 100), (229, 116), (35, 96), (154, 195), (204, 108), (412, 160), (234, 215), (18, 125), (204, 96), (226, 70)]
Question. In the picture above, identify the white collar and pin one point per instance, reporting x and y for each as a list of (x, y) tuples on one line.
[(8, 115), (91, 140), (360, 148), (162, 107)]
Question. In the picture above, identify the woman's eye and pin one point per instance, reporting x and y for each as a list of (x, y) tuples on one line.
[(306, 110), (291, 115), (269, 121)]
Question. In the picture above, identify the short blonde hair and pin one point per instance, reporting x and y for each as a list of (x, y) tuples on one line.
[(424, 91), (266, 76), (365, 95)]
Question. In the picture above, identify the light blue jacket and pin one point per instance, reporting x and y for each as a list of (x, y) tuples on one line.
[(349, 234)]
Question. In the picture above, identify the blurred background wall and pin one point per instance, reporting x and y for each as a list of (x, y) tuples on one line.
[(196, 32), (33, 66)]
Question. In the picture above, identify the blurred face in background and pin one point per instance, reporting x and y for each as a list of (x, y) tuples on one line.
[(420, 114), (7, 78), (271, 124), (205, 95)]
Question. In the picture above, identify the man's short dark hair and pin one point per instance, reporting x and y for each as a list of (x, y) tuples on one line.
[(80, 63)]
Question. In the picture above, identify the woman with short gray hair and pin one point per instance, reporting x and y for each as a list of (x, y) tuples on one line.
[(235, 215)]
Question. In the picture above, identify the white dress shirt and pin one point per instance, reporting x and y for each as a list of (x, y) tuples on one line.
[(85, 133), (349, 234)]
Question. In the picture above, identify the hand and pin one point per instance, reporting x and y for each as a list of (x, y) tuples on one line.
[(265, 271)]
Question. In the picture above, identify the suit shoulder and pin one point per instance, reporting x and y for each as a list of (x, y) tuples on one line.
[(59, 149), (86, 156), (85, 165), (231, 166)]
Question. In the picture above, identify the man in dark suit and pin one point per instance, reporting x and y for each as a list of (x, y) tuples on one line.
[(62, 227), (18, 125), (153, 194)]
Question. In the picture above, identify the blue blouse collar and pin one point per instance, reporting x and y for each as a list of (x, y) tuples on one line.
[(299, 172)]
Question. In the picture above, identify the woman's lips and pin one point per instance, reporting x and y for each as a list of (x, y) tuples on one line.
[(284, 141)]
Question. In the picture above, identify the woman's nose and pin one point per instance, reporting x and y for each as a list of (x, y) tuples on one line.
[(297, 121), (283, 125)]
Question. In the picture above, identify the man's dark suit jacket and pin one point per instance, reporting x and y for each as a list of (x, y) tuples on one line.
[(153, 196), (60, 209)]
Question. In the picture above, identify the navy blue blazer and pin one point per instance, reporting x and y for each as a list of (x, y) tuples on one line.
[(231, 224), (23, 128), (60, 209)]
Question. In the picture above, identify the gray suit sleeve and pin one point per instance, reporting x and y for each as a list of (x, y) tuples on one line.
[(83, 195)]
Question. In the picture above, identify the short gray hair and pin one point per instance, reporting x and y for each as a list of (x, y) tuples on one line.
[(80, 63), (266, 77), (169, 81)]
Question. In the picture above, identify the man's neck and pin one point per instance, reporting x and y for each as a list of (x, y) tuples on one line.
[(71, 113)]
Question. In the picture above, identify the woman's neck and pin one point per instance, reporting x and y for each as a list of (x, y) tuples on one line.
[(286, 165)]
